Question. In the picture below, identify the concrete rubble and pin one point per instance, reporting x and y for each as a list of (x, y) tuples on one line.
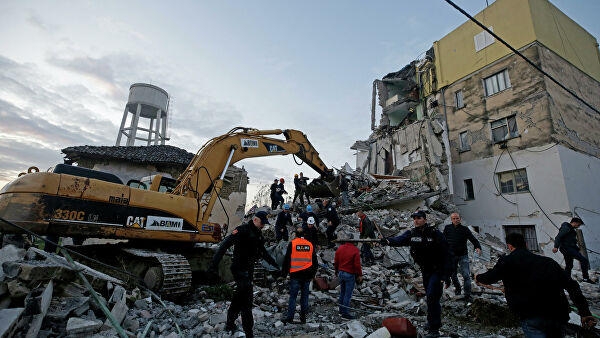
[(41, 296)]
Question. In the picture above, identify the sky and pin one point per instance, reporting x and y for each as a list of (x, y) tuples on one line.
[(66, 68)]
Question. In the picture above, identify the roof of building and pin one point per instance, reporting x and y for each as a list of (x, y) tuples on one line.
[(361, 145), (136, 154)]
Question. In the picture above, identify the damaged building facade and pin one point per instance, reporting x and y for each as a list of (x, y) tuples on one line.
[(514, 150)]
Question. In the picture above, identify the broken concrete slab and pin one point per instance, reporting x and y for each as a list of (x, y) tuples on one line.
[(118, 312), (77, 326), (62, 307), (10, 253), (8, 320), (39, 305)]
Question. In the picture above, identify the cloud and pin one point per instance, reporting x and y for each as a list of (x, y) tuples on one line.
[(35, 20)]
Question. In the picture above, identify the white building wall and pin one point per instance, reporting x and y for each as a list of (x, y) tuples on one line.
[(582, 177), (490, 210)]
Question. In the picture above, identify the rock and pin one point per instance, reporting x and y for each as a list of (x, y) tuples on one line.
[(356, 329), (16, 289), (61, 307), (131, 324), (117, 295), (382, 332), (218, 318), (79, 326), (203, 316), (141, 304), (8, 320)]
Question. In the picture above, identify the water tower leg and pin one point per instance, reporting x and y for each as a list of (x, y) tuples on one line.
[(164, 130), (134, 125), (156, 131), (122, 130), (149, 139)]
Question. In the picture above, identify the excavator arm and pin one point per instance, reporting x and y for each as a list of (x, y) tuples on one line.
[(205, 173)]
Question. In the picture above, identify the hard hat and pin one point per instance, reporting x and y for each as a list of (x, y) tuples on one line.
[(295, 175), (281, 180), (309, 208), (286, 207), (310, 220)]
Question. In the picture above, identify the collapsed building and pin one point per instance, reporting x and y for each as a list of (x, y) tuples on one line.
[(475, 120)]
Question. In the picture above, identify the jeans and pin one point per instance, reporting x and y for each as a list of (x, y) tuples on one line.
[(432, 282), (572, 253), (461, 265), (241, 303), (295, 286), (538, 327), (347, 281)]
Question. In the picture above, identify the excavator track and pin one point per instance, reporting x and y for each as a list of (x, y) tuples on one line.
[(171, 276)]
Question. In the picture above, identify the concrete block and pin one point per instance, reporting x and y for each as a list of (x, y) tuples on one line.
[(117, 295), (79, 325), (118, 312), (356, 329), (8, 319), (382, 332), (218, 318), (61, 307)]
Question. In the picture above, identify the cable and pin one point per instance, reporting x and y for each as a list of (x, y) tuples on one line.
[(522, 56), (494, 179)]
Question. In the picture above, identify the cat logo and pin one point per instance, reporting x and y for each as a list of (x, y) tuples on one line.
[(135, 222), (249, 143)]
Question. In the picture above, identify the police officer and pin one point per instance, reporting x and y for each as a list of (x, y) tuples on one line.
[(301, 263), (283, 219), (249, 246), (430, 251), (333, 220)]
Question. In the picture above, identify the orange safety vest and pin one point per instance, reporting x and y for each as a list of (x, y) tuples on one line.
[(302, 252)]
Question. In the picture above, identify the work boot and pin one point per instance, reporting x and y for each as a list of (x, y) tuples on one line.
[(347, 316), (468, 299), (287, 320), (303, 318), (231, 328)]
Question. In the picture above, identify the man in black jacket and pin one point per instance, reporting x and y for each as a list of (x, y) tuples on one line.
[(534, 288), (457, 235), (249, 247), (284, 218), (301, 263), (430, 251), (333, 220), (566, 241)]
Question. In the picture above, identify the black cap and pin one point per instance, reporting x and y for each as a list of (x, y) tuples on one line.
[(577, 220), (419, 213), (263, 217)]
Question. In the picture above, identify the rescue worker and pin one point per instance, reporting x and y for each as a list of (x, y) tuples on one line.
[(273, 195), (303, 217), (347, 267), (300, 184), (283, 219), (457, 235), (301, 262), (311, 232), (280, 191), (249, 247), (566, 241), (333, 220), (344, 183), (366, 228), (534, 287), (430, 251)]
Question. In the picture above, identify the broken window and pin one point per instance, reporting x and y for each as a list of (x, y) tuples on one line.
[(458, 99), (469, 192), (464, 141), (513, 181), (504, 129), (496, 83), (528, 232), (483, 39)]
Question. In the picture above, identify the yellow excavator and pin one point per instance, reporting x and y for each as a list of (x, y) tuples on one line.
[(157, 217)]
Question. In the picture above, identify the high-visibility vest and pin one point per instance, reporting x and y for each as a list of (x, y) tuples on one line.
[(301, 257)]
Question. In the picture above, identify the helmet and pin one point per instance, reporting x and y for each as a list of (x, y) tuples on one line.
[(295, 175), (281, 180), (310, 220), (286, 207), (309, 208)]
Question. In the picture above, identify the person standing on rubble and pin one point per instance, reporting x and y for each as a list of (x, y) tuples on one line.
[(274, 194), (301, 263), (534, 288), (344, 183), (249, 246), (457, 235), (283, 219), (430, 251), (310, 231), (333, 220), (300, 186), (280, 191), (349, 271), (366, 229), (566, 241)]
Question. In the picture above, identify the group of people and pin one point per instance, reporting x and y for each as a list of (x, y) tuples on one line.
[(534, 285)]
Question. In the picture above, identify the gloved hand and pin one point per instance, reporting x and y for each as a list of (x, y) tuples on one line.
[(588, 322)]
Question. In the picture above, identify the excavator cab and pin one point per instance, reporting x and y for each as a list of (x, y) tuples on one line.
[(154, 183)]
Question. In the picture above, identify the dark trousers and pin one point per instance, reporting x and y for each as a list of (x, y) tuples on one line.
[(281, 232), (539, 327), (366, 253), (274, 202), (432, 283), (330, 232), (572, 253), (300, 193), (242, 302)]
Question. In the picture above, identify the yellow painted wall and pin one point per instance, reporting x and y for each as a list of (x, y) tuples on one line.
[(518, 22)]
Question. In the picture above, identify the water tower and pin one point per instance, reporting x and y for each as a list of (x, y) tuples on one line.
[(148, 102)]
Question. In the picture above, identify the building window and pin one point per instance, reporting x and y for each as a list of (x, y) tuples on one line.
[(469, 192), (464, 141), (496, 83), (528, 232), (504, 129), (458, 99), (513, 181), (483, 39)]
